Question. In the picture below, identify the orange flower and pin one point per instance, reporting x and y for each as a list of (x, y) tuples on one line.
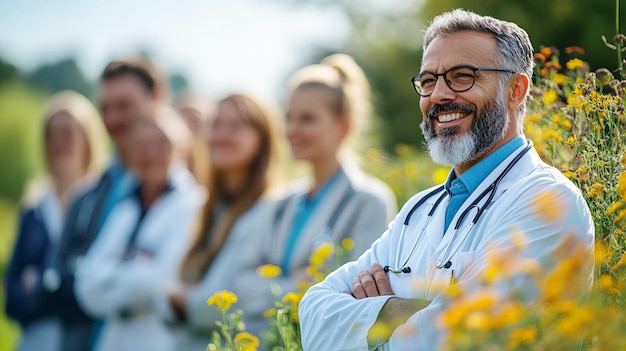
[(574, 50), (539, 58), (554, 64), (546, 52)]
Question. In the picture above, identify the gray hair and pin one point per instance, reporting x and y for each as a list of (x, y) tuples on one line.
[(515, 51)]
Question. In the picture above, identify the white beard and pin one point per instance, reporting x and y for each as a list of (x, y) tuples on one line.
[(451, 152)]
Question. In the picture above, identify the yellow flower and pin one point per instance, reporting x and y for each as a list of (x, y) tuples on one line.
[(601, 252), (373, 153), (510, 313), (533, 118), (440, 175), (268, 271), (269, 313), (522, 336), (573, 325), (246, 341), (596, 190), (560, 79), (379, 332), (606, 282), (292, 298), (347, 244), (620, 216), (530, 267), (614, 207), (621, 185), (322, 253), (403, 150), (519, 240), (477, 320), (574, 64), (549, 97), (547, 207), (223, 300)]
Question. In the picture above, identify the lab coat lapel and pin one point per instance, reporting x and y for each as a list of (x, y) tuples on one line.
[(434, 231), (282, 226), (319, 218)]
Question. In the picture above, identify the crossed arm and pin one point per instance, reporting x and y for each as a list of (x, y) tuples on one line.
[(396, 311)]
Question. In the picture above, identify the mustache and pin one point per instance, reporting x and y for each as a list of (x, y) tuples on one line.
[(436, 109)]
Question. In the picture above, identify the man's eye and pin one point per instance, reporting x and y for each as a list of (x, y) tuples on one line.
[(462, 75), (427, 81)]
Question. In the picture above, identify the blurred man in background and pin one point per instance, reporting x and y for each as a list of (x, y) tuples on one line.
[(128, 89)]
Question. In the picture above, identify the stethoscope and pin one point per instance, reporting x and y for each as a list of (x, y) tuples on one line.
[(445, 258)]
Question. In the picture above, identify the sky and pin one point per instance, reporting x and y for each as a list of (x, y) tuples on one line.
[(221, 46)]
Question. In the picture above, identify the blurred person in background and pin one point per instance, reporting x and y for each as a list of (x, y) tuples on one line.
[(143, 240), (243, 146), (327, 109), (75, 153), (128, 89), (196, 111)]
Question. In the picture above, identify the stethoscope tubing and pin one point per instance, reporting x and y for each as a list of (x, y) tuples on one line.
[(442, 262)]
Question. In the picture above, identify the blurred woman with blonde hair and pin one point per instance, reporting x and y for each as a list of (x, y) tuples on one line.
[(327, 112), (74, 152), (243, 147), (144, 238)]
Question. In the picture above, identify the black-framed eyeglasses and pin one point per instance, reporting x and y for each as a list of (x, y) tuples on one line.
[(458, 79)]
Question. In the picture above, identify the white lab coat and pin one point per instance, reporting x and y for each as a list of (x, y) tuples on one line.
[(106, 285), (223, 273), (332, 320), (363, 218)]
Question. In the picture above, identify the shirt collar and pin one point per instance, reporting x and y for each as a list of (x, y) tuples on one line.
[(472, 178)]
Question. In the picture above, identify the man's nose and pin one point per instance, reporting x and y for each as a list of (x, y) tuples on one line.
[(442, 92)]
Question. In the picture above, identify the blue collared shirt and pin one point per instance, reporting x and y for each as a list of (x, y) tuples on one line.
[(460, 188), (304, 210)]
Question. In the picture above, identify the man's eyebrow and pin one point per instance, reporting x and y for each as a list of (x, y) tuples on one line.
[(449, 68)]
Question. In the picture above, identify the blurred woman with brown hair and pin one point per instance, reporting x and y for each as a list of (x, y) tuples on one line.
[(327, 111), (75, 151), (242, 146), (143, 240)]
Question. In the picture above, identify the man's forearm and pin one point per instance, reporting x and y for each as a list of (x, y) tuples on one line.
[(395, 312)]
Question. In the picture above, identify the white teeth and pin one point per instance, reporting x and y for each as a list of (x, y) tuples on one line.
[(450, 117)]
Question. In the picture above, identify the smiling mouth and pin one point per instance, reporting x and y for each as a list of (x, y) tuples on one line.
[(449, 117)]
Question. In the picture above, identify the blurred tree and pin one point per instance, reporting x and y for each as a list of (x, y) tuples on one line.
[(8, 72), (558, 23), (386, 40), (20, 138), (65, 74)]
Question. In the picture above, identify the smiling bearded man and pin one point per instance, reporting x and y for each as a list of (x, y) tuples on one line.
[(473, 85)]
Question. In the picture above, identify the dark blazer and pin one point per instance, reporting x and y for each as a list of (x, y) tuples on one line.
[(79, 230), (32, 249)]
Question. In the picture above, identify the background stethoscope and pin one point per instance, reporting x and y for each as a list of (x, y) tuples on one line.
[(444, 259)]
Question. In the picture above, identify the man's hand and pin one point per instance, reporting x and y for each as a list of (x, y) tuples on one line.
[(395, 311), (371, 284)]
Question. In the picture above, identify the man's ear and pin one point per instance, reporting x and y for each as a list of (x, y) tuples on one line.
[(518, 89)]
